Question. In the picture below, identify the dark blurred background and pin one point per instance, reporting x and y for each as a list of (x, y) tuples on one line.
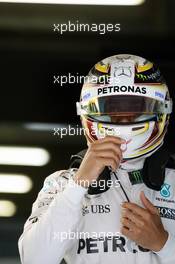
[(31, 105)]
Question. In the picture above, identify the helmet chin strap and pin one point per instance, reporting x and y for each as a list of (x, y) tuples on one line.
[(137, 163), (133, 164)]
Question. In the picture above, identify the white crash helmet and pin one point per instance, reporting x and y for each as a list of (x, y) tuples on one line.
[(126, 85)]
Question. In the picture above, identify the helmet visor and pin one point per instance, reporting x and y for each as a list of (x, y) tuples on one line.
[(122, 105)]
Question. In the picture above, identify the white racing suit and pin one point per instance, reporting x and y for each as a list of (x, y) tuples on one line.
[(67, 222)]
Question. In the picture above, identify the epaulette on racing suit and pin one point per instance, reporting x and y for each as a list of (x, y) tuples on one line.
[(82, 225)]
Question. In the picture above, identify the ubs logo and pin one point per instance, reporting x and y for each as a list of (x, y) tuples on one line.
[(122, 70), (96, 209)]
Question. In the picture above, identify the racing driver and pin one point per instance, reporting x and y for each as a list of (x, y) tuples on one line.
[(124, 108)]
